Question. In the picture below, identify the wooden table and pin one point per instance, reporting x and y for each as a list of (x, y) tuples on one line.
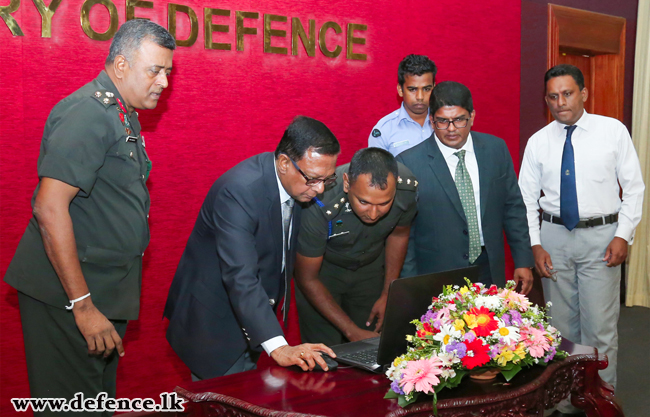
[(347, 392)]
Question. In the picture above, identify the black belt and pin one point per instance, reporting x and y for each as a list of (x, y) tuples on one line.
[(582, 224)]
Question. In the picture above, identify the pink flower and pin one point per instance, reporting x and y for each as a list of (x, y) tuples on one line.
[(515, 300), (535, 340), (421, 374)]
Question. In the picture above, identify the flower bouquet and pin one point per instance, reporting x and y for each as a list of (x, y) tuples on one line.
[(471, 330)]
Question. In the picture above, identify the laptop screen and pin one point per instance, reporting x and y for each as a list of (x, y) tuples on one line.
[(409, 299)]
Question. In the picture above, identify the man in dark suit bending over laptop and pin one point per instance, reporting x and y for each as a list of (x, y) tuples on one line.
[(237, 264), (468, 196)]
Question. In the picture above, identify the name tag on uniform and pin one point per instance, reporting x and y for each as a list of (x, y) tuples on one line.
[(398, 144), (339, 234), (131, 139)]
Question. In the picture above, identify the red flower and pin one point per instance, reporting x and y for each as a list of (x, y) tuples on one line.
[(476, 288), (477, 354), (493, 290), (485, 322)]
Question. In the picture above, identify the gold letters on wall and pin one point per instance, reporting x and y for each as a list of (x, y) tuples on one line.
[(210, 27), (274, 27), (85, 21), (5, 13), (172, 9)]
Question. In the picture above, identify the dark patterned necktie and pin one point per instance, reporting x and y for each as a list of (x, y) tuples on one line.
[(466, 194), (568, 194)]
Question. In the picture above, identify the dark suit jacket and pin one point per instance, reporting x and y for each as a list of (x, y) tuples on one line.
[(439, 237), (219, 304)]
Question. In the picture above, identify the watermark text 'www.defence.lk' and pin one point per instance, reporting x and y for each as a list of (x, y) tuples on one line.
[(169, 401)]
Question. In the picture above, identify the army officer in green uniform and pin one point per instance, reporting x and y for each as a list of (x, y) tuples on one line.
[(78, 266), (351, 246)]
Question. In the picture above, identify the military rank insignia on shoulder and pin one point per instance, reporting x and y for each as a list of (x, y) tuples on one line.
[(376, 133), (407, 183), (105, 97), (333, 208)]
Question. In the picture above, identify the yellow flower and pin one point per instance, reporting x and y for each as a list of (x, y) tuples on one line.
[(464, 290), (520, 352), (505, 356), (459, 325), (471, 320)]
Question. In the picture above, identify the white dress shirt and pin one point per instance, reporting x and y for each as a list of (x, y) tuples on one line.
[(604, 157), (472, 169), (279, 341)]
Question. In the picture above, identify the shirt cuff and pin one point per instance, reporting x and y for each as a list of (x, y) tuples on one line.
[(625, 231), (535, 238), (274, 343)]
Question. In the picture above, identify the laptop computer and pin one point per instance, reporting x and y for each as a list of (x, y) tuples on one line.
[(408, 299)]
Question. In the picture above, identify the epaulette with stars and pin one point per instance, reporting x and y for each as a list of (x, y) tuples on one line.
[(105, 97), (407, 183), (333, 208)]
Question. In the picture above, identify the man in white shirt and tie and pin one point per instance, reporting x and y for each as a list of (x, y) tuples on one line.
[(578, 162)]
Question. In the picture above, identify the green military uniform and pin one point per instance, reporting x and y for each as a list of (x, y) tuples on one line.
[(88, 142), (353, 253)]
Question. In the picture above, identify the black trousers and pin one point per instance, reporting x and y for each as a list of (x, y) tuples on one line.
[(58, 363)]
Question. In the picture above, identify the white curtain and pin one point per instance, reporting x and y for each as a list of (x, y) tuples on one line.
[(638, 285)]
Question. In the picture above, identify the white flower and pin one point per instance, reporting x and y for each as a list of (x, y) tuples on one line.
[(447, 332), (509, 334), (448, 373), (491, 302), (549, 304), (448, 358)]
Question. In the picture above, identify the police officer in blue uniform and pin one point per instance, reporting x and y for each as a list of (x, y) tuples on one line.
[(409, 125)]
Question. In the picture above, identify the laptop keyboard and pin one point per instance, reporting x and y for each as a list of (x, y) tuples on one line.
[(366, 357)]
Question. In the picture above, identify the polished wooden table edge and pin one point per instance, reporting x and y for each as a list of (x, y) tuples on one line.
[(592, 394), (236, 403)]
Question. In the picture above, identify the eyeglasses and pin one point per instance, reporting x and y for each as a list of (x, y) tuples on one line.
[(310, 182), (443, 124)]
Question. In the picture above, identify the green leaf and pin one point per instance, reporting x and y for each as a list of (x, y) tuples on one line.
[(455, 381), (403, 402), (434, 406), (391, 394), (509, 374)]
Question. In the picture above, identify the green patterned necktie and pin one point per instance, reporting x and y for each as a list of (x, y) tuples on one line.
[(466, 193)]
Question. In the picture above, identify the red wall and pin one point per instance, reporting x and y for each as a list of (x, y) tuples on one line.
[(224, 106)]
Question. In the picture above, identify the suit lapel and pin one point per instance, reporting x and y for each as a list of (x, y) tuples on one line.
[(483, 170), (441, 172)]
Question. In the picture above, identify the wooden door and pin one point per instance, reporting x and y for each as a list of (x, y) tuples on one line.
[(595, 43)]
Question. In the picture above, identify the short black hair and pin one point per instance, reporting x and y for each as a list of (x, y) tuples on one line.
[(565, 69), (304, 133), (415, 65), (129, 37), (450, 93), (374, 161)]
